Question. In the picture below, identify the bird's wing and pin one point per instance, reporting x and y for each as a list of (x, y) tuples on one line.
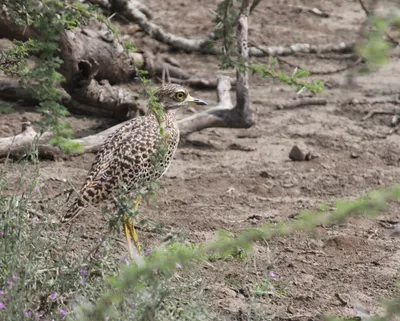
[(117, 145)]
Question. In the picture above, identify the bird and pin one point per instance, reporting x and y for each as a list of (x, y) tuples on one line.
[(134, 156)]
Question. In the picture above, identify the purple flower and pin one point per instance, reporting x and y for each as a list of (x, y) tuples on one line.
[(272, 288), (63, 313), (35, 220), (15, 277), (124, 260), (84, 272), (53, 296), (148, 252), (272, 274), (28, 314), (38, 316), (9, 284), (133, 305), (178, 266), (2, 306), (36, 190), (1, 292), (8, 299), (1, 234)]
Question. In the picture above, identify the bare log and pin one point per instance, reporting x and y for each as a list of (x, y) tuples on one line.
[(13, 91), (20, 145)]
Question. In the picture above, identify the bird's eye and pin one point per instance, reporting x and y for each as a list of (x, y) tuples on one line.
[(179, 96)]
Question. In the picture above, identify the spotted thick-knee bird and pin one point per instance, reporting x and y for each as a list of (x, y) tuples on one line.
[(130, 159)]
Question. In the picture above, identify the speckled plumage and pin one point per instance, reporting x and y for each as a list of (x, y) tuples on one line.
[(127, 159)]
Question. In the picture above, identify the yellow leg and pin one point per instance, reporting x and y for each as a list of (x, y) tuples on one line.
[(130, 232)]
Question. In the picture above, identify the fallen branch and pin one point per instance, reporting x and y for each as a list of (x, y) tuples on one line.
[(322, 72), (377, 112), (302, 102), (315, 11), (260, 51), (352, 101), (133, 13), (200, 82), (124, 6), (13, 91), (224, 114), (204, 45), (20, 145)]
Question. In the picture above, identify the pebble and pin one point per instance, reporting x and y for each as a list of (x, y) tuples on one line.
[(300, 152)]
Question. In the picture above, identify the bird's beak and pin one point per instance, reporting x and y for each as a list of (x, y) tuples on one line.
[(190, 99)]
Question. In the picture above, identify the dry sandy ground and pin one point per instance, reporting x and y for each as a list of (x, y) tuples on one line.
[(214, 184)]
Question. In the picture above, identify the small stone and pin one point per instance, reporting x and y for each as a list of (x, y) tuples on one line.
[(299, 152), (354, 155), (265, 174)]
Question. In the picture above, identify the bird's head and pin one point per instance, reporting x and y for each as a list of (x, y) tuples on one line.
[(172, 96)]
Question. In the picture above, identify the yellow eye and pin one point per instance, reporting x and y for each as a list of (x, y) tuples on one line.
[(179, 96)]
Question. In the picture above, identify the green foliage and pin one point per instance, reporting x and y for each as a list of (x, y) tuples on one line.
[(225, 21), (49, 19), (163, 263), (226, 17), (37, 275), (6, 109), (129, 46), (376, 50), (293, 80)]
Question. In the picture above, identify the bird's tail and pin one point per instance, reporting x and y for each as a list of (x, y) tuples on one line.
[(76, 208)]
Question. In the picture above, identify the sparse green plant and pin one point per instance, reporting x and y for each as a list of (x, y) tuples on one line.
[(38, 277)]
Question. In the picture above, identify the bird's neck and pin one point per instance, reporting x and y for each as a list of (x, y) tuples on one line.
[(168, 117)]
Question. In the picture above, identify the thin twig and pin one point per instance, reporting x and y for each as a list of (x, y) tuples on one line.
[(322, 72)]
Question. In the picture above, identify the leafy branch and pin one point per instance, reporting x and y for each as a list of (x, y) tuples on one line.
[(49, 19), (163, 262)]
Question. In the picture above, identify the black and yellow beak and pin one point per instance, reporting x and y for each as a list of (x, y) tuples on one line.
[(190, 99)]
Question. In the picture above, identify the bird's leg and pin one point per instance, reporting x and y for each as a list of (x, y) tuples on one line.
[(130, 232)]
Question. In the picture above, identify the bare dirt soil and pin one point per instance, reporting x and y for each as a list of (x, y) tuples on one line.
[(233, 179)]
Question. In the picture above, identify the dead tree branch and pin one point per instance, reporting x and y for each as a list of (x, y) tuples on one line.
[(302, 102), (203, 45), (323, 72), (124, 6), (20, 145), (224, 114), (133, 13), (200, 82), (213, 117), (260, 51)]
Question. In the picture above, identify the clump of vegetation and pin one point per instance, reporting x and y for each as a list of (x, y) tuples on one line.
[(40, 278)]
